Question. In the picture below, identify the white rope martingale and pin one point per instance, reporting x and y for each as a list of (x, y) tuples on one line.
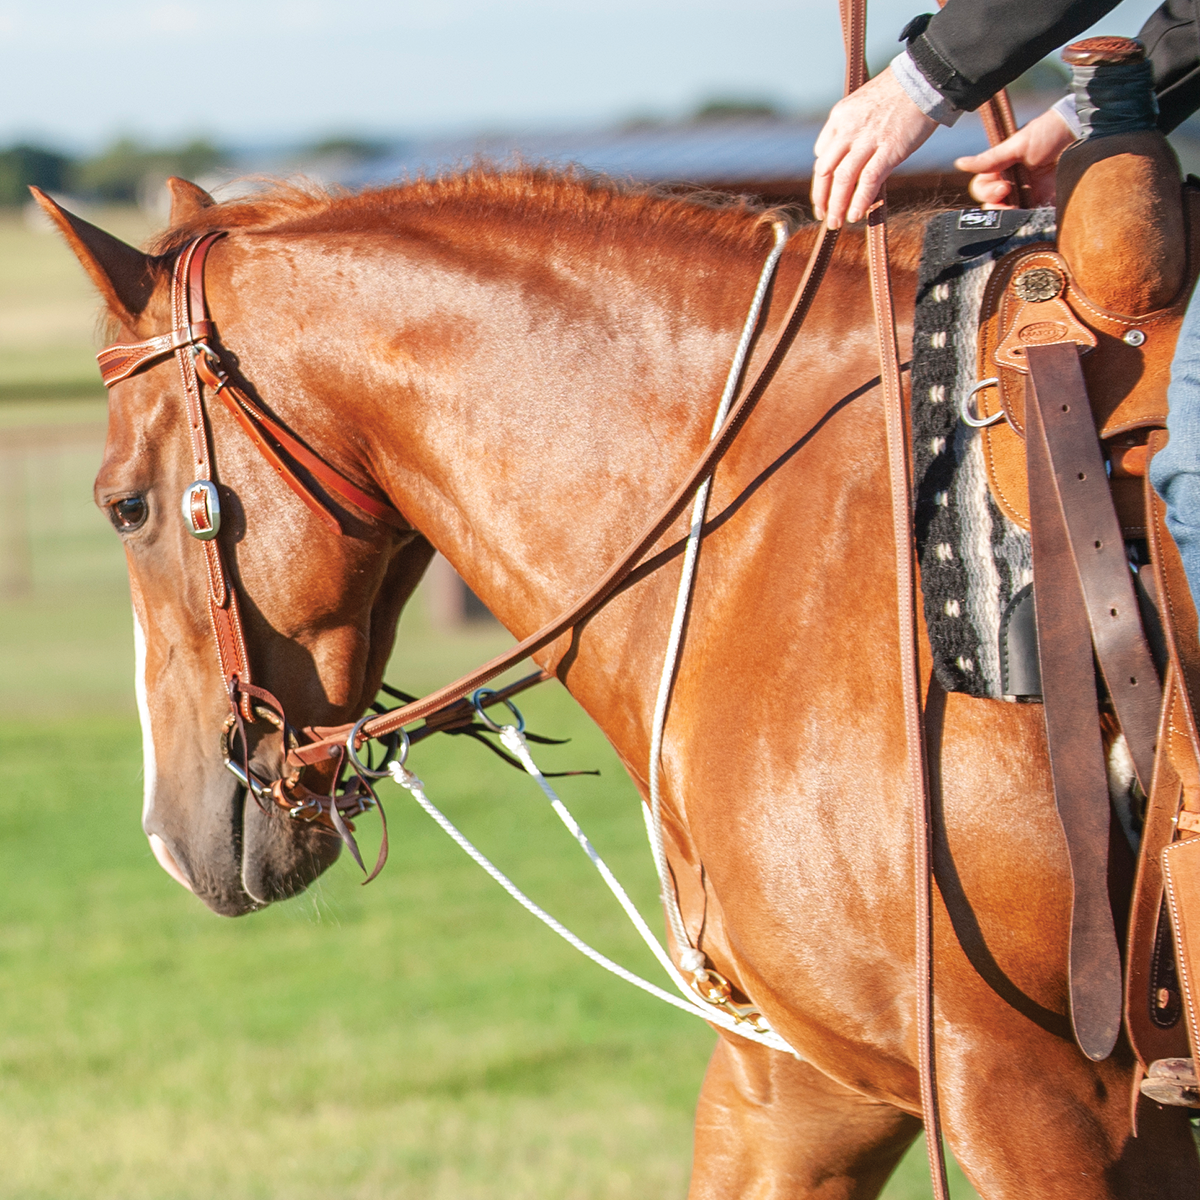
[(689, 1004), (682, 602), (709, 997)]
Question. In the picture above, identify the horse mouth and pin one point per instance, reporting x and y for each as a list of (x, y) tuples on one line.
[(238, 857), (280, 855)]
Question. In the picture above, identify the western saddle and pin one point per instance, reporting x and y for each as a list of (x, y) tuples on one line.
[(1089, 326)]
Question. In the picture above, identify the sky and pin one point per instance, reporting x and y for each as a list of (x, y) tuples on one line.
[(76, 74)]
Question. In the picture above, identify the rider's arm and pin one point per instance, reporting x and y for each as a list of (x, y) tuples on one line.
[(973, 48), (954, 61), (965, 69), (1172, 40)]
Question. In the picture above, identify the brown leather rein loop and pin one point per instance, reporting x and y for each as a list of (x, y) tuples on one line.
[(327, 740)]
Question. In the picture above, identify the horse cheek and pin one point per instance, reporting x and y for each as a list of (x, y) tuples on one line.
[(340, 657)]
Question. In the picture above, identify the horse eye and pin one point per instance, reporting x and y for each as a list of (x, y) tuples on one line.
[(128, 513)]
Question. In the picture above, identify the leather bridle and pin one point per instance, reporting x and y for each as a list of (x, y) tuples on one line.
[(192, 342)]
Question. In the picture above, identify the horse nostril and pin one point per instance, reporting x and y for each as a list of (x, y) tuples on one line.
[(166, 860)]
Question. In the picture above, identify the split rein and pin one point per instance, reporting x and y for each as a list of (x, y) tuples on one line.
[(452, 709)]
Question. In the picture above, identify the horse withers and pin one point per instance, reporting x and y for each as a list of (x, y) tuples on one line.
[(524, 365)]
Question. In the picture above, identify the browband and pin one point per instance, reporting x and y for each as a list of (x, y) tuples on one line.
[(274, 442)]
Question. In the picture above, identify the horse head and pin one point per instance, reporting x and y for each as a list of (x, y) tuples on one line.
[(318, 609)]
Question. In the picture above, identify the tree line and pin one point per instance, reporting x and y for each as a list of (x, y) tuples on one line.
[(117, 175)]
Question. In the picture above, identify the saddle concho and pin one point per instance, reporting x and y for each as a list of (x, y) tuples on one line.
[(1031, 299)]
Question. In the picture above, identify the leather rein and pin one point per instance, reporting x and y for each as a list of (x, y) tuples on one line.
[(194, 345)]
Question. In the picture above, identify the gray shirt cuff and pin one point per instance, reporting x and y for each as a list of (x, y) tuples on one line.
[(1066, 109), (921, 92)]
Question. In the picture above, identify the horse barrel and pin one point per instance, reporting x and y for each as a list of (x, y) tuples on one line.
[(1120, 204)]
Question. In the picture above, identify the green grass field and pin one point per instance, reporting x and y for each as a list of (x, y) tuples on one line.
[(420, 1038)]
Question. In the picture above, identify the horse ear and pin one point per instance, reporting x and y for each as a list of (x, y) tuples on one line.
[(188, 200), (123, 275)]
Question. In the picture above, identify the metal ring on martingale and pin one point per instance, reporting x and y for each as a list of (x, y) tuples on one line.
[(964, 409), (477, 699), (357, 762), (212, 362)]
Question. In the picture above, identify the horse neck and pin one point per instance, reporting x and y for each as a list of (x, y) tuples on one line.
[(553, 400), (531, 396)]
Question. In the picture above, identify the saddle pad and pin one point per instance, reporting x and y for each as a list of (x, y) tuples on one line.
[(973, 559)]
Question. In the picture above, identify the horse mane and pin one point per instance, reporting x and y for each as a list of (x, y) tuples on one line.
[(591, 204)]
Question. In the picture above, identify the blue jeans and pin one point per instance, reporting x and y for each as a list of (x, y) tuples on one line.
[(1175, 470)]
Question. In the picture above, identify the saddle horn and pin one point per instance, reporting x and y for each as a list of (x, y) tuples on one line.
[(1120, 199)]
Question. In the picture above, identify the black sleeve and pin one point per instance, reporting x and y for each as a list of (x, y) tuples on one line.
[(1172, 38), (973, 48)]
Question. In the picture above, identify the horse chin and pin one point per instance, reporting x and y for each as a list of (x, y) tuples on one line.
[(282, 856), (231, 854)]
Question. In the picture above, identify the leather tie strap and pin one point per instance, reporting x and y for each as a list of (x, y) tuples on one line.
[(1097, 550), (1056, 404)]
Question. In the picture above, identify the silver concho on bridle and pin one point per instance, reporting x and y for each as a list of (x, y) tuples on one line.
[(202, 509)]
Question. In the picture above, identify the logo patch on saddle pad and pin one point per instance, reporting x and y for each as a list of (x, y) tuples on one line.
[(977, 218)]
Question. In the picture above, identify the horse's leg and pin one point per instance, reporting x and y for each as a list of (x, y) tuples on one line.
[(1050, 1124), (769, 1127)]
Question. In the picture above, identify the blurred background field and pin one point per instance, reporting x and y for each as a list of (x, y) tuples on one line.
[(421, 1038)]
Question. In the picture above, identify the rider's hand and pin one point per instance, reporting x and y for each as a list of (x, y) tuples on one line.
[(868, 134), (1037, 145)]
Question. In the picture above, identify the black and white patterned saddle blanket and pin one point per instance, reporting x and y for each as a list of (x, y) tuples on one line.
[(974, 560)]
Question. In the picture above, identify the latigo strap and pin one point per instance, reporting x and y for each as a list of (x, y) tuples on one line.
[(1056, 406)]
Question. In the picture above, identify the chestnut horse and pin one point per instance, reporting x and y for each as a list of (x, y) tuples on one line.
[(525, 365)]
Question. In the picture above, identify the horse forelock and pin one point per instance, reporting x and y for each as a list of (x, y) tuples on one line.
[(570, 200)]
